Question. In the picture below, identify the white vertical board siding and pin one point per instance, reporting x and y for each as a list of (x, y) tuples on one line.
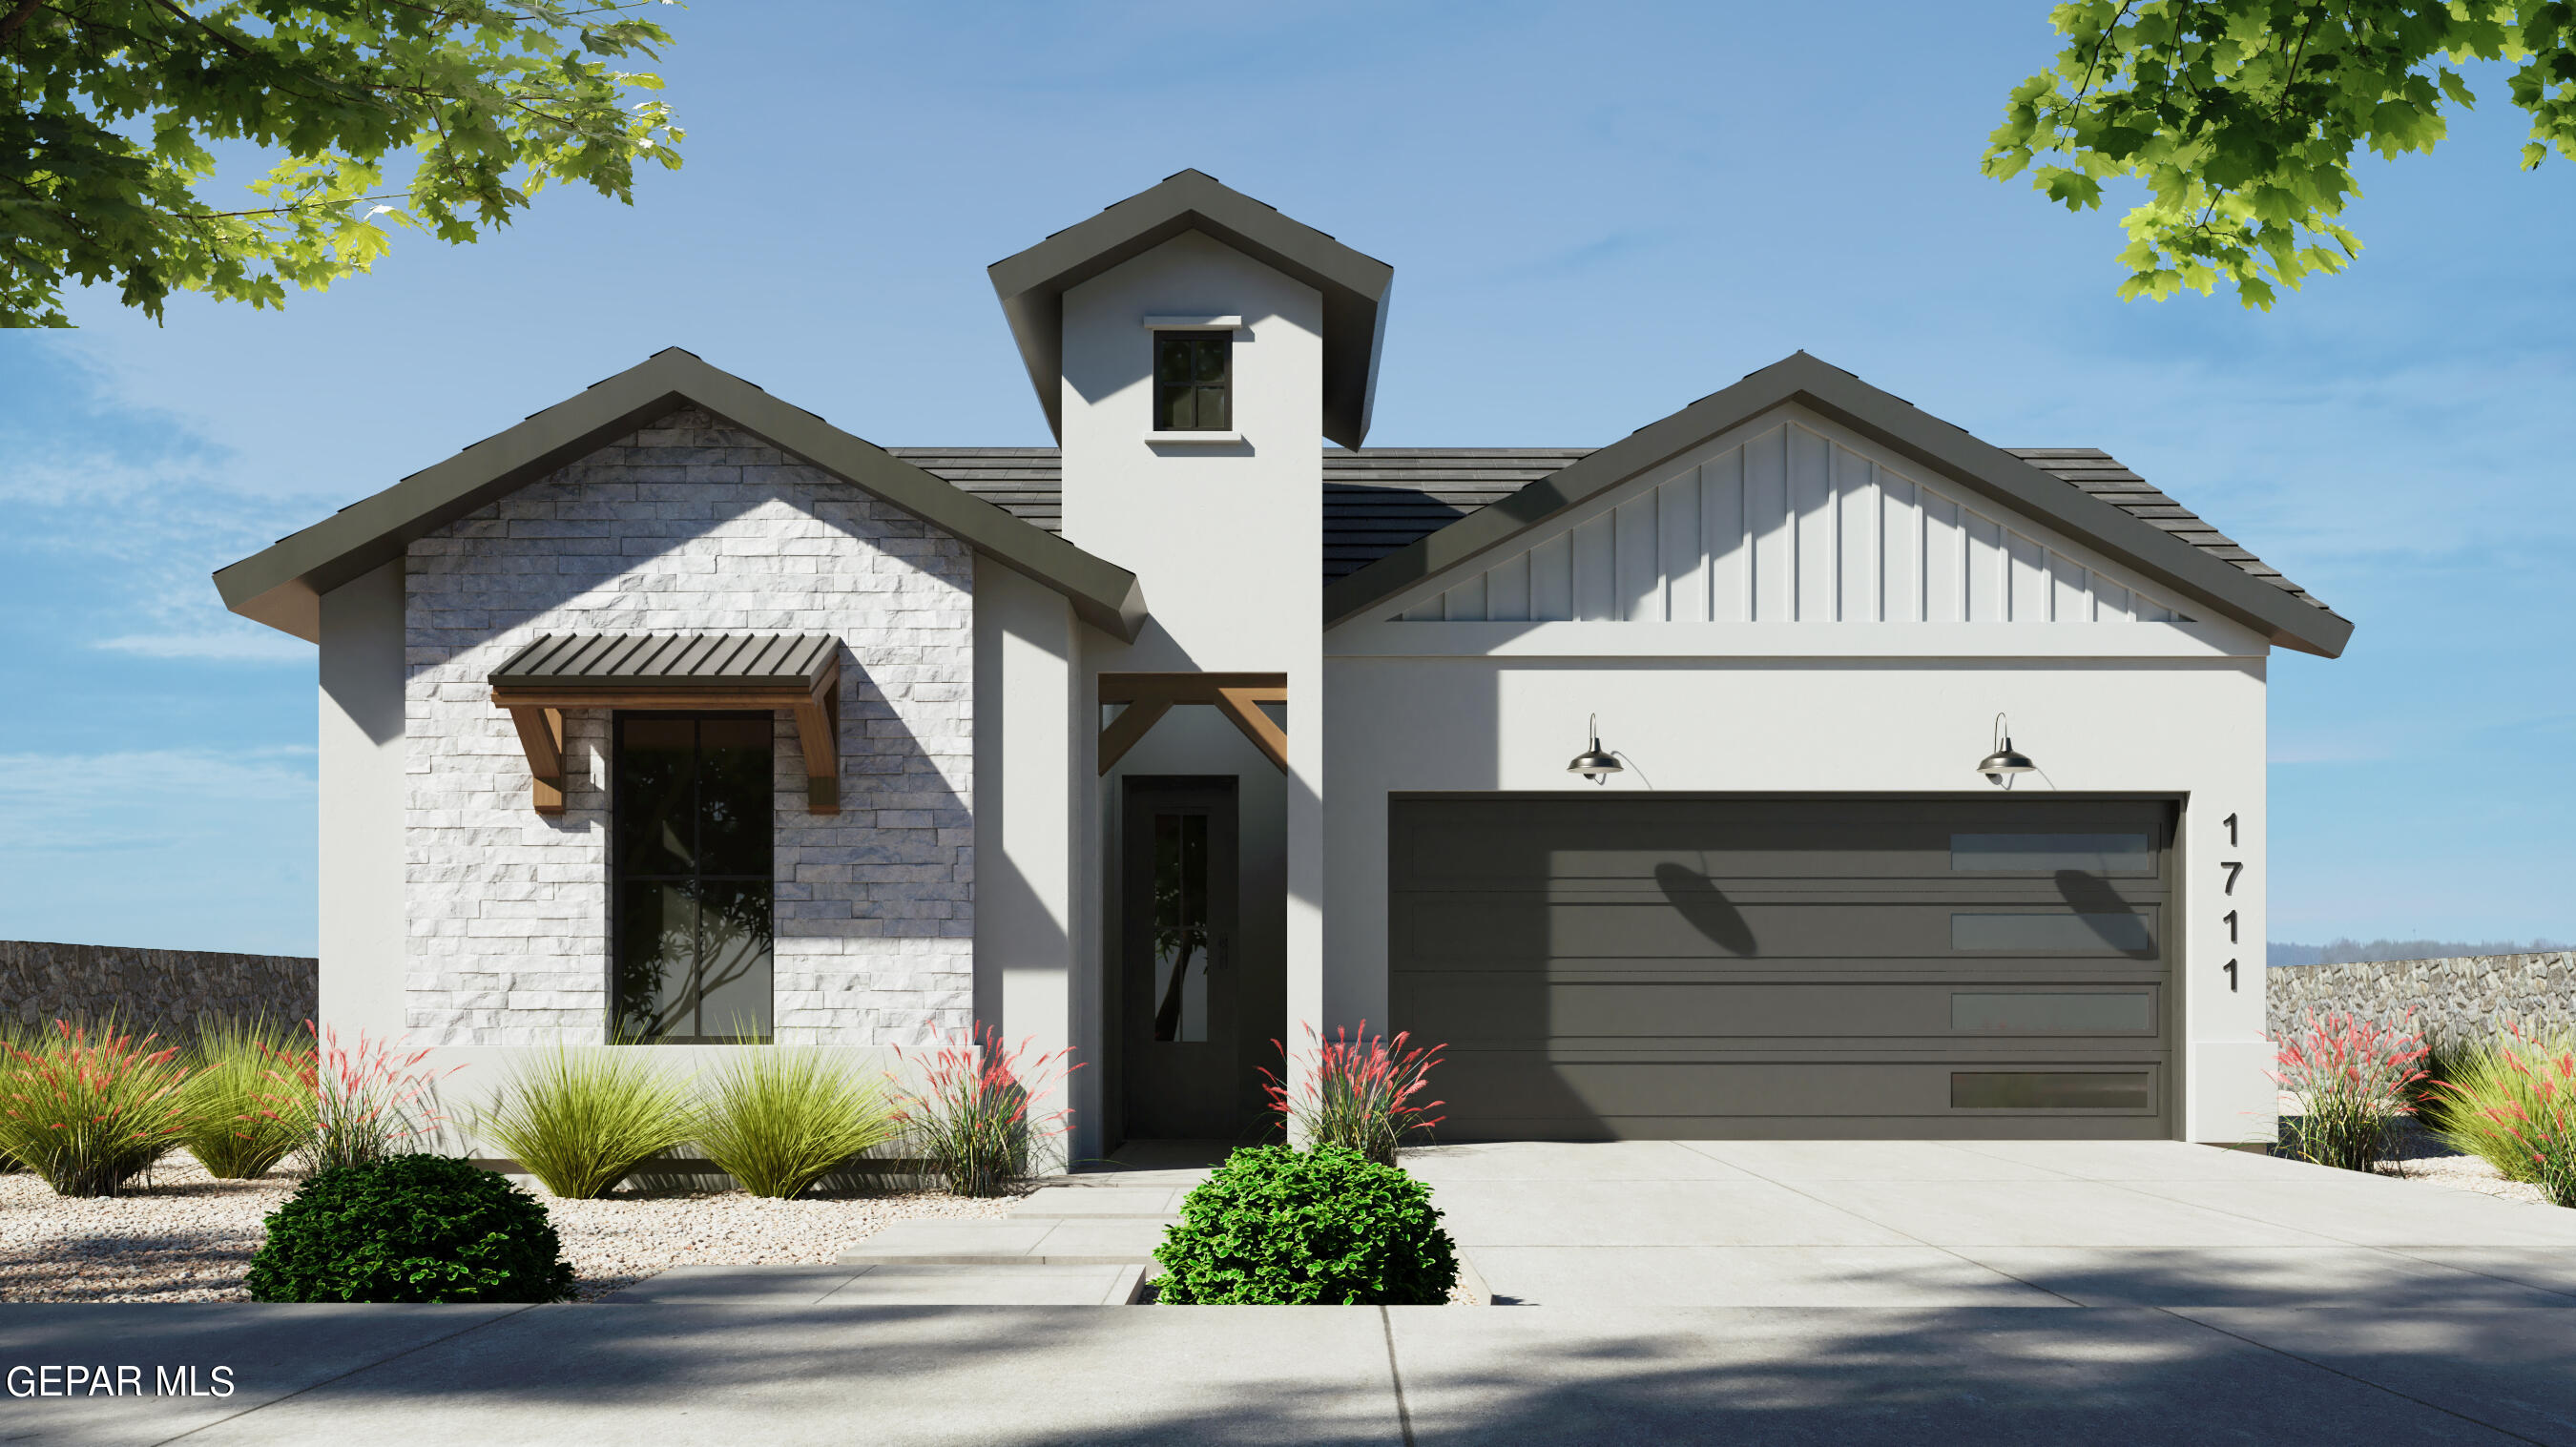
[(1790, 526)]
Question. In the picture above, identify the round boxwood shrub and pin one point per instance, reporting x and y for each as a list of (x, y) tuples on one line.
[(410, 1228), (1275, 1226)]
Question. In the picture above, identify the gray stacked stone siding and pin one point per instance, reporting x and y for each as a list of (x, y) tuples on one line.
[(162, 992), (690, 526), (2469, 998)]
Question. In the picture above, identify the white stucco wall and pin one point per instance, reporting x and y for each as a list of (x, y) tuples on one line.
[(689, 525), (362, 783), (1225, 538)]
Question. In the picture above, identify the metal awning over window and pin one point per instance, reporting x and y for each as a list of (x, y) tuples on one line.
[(800, 672)]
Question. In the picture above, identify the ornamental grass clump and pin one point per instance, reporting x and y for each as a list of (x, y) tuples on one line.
[(1276, 1226), (582, 1118), (778, 1119), (2353, 1080), (411, 1228), (1361, 1092), (370, 1101), (242, 1116), (2500, 1100), (91, 1111), (971, 1117)]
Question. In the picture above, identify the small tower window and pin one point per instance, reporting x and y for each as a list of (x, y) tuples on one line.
[(1193, 380)]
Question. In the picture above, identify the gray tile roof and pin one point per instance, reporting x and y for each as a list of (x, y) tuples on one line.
[(1377, 499)]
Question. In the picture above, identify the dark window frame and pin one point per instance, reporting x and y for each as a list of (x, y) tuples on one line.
[(620, 877), (1182, 395)]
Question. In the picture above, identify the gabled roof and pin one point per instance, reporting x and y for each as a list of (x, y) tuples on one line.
[(282, 586), (2111, 511), (1032, 285)]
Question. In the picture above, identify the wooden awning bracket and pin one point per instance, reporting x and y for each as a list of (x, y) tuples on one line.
[(1149, 696), (538, 712)]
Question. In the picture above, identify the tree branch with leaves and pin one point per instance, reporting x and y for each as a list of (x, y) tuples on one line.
[(2242, 118), (113, 107)]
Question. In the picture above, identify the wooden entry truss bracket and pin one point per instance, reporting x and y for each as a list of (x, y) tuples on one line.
[(1149, 696)]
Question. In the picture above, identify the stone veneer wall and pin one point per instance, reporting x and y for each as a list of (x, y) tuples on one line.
[(2467, 998), (690, 525), (158, 991)]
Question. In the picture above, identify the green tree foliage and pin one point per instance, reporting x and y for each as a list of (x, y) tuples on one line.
[(112, 105), (2242, 116)]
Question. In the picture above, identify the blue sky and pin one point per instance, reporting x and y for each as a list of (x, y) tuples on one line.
[(1597, 213)]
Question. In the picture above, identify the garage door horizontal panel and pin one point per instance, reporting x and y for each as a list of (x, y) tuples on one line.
[(1463, 927), (1522, 841), (2037, 893), (1473, 1011), (1480, 1085), (1797, 1128)]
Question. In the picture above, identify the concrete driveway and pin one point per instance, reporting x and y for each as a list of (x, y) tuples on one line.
[(1723, 1293), (1907, 1225)]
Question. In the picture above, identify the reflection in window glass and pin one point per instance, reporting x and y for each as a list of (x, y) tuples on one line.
[(2105, 1012), (2050, 1090), (2057, 933), (1180, 926), (2088, 853), (692, 800)]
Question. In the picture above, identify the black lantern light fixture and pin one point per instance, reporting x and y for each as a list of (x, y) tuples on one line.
[(2005, 761), (1593, 763)]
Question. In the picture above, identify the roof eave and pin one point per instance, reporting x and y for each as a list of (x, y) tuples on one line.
[(281, 585), (1893, 423)]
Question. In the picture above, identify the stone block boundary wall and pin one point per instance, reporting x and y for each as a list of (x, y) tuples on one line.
[(2467, 998), (158, 991)]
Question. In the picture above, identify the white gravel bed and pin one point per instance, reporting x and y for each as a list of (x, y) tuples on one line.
[(190, 1237), (2464, 1173)]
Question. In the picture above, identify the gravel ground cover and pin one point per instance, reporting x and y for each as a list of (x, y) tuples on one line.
[(190, 1237), (2421, 1156)]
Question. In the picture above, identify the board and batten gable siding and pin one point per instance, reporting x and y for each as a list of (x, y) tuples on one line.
[(689, 525), (1791, 524)]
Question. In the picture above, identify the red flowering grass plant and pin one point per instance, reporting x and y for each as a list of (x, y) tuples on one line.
[(89, 1111), (241, 1121), (2515, 1106), (2353, 1080), (370, 1101), (1360, 1091), (971, 1114)]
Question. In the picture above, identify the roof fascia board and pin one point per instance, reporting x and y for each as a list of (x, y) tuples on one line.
[(1354, 286), (1892, 423), (282, 585)]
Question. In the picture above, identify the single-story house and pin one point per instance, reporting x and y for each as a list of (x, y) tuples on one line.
[(1797, 765)]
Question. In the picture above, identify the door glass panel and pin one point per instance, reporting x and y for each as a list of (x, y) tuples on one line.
[(2104, 1012), (2088, 853), (2050, 1090), (2060, 934), (1180, 926)]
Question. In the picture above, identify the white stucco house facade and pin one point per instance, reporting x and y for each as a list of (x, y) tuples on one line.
[(675, 715)]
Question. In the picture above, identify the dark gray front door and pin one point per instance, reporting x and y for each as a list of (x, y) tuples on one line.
[(1180, 1053), (1678, 967)]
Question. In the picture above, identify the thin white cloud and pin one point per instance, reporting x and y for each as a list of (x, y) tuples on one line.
[(242, 647)]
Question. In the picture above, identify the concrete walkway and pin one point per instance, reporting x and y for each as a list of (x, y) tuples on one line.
[(1793, 1293)]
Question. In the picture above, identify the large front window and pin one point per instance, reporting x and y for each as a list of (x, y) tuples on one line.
[(692, 877)]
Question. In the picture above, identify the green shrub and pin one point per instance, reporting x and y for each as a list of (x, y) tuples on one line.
[(2488, 1091), (1275, 1226), (410, 1228), (90, 1112), (582, 1118), (781, 1118), (246, 1108)]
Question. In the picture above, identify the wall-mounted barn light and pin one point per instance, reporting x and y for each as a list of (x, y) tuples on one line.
[(2005, 761), (1592, 763)]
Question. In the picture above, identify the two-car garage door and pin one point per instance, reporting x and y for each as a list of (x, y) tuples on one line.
[(1680, 967)]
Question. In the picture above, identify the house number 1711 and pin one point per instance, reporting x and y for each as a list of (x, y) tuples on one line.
[(2233, 868)]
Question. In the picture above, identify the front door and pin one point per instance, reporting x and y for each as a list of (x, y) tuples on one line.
[(1179, 988)]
